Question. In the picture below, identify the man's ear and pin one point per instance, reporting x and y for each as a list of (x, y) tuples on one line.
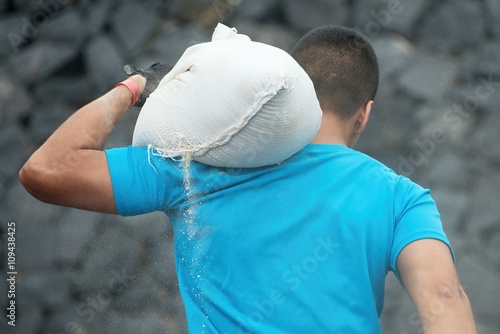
[(363, 116)]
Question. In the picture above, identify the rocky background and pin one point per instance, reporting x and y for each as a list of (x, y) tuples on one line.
[(436, 120)]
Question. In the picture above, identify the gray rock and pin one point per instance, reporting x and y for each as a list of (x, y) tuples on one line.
[(146, 228), (163, 8), (475, 274), (161, 262), (111, 265), (39, 60), (132, 36), (393, 53), (374, 18), (78, 317), (158, 277), (11, 146), (484, 214), (431, 112), (493, 9), (255, 9), (22, 4), (390, 128), (73, 90), (483, 61), (34, 220), (202, 12), (272, 34), (46, 288), (493, 249), (104, 64), (399, 314), (68, 321), (170, 44), (97, 16), (146, 323), (4, 327), (46, 118), (305, 15), (3, 6), (452, 27), (485, 138), (487, 326), (428, 77), (176, 316), (155, 232), (364, 16), (65, 26), (90, 314), (47, 10), (4, 189), (12, 34), (123, 131), (445, 123), (177, 6), (403, 17), (29, 317), (452, 206), (14, 98), (146, 295), (75, 229), (471, 97), (482, 96), (448, 169), (4, 286)]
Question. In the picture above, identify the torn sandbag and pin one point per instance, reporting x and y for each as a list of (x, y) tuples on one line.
[(231, 102)]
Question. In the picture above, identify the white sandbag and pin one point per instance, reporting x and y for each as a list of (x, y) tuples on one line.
[(231, 102)]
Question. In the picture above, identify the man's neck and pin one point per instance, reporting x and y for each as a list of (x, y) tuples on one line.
[(333, 131)]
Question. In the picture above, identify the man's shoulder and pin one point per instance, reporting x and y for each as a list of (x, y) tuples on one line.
[(344, 157)]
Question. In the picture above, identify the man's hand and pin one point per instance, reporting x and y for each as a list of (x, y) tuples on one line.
[(153, 76), (428, 273)]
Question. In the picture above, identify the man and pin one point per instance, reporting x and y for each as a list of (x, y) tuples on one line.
[(301, 247)]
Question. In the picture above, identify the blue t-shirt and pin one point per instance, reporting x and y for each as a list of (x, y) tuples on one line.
[(300, 247)]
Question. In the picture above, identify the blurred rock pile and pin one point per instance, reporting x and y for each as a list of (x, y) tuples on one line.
[(436, 120)]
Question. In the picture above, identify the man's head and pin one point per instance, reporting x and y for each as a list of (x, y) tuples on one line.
[(343, 67)]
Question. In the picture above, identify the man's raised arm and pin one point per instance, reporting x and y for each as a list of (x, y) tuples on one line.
[(428, 273), (71, 168)]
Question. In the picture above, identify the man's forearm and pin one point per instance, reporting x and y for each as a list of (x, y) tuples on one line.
[(86, 129), (449, 312), (90, 126), (70, 168), (428, 273)]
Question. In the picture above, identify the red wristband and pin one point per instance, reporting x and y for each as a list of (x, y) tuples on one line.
[(133, 87)]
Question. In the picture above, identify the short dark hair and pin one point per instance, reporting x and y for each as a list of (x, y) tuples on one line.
[(342, 65)]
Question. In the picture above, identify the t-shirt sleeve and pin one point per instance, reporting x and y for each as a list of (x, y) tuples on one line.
[(142, 182), (417, 217)]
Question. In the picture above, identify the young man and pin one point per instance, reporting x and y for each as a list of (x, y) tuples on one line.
[(301, 247)]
